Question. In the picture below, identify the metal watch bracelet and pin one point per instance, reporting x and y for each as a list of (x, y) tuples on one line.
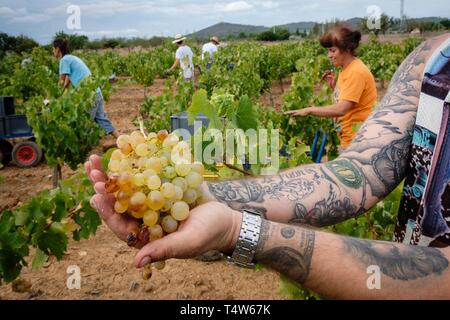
[(245, 250)]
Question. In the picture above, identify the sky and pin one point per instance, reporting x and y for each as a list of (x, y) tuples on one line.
[(41, 19)]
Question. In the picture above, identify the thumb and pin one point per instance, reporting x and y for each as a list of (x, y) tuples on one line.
[(163, 249)]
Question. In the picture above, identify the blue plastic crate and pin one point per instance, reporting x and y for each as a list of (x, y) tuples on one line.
[(180, 121), (2, 127), (7, 106), (17, 125)]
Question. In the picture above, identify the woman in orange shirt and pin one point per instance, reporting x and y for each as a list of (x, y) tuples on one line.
[(355, 91)]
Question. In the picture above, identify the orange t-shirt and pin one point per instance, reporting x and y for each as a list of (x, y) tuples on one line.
[(356, 84)]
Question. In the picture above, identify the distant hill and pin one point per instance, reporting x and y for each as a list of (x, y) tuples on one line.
[(224, 29)]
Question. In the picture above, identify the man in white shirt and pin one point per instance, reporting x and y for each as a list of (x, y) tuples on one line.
[(183, 58), (209, 50)]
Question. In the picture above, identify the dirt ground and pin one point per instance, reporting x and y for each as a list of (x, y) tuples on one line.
[(106, 264)]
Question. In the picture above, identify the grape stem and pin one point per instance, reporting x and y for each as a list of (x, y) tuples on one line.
[(237, 169)]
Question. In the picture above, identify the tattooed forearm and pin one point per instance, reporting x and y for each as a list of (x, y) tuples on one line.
[(328, 211), (400, 262), (346, 172), (286, 250)]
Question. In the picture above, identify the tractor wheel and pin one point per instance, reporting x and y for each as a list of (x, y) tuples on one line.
[(26, 154)]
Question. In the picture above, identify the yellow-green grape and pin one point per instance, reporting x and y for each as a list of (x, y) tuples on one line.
[(164, 161), (169, 224), (154, 164), (169, 172), (125, 165), (194, 179), (198, 167), (179, 211), (147, 272), (167, 206), (178, 194), (114, 165), (168, 190), (180, 182), (148, 173), (142, 163), (152, 148), (120, 207), (189, 196), (136, 138), (117, 155), (150, 218), (124, 197), (137, 201), (138, 214), (170, 141), (142, 150), (153, 182), (151, 136), (125, 181), (139, 179), (162, 134), (159, 265), (181, 153), (183, 169), (155, 232), (155, 200), (123, 143)]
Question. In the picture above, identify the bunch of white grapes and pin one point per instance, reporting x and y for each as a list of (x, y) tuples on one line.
[(154, 180)]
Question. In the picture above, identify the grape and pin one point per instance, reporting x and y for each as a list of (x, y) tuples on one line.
[(147, 272), (164, 161), (153, 182), (125, 181), (198, 167), (170, 142), (180, 182), (178, 194), (124, 197), (137, 201), (114, 165), (155, 232), (169, 224), (159, 265), (136, 138), (183, 169), (151, 136), (161, 135), (152, 148), (155, 200), (151, 218), (154, 164), (69, 225), (169, 172), (142, 150), (189, 196), (148, 173), (123, 142), (137, 214), (125, 165), (167, 205), (168, 190), (180, 211), (120, 207), (181, 153), (117, 155), (139, 179), (111, 185), (194, 180)]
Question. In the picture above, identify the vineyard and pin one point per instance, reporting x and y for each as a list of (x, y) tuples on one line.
[(249, 86)]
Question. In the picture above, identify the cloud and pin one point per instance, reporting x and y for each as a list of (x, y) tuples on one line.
[(235, 6), (6, 11), (270, 4), (31, 18)]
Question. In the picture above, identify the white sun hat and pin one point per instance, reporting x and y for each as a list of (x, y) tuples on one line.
[(178, 38)]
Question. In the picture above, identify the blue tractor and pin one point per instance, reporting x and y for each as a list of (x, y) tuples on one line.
[(16, 137)]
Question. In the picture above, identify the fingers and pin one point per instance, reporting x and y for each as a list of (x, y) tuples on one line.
[(121, 225), (94, 164), (100, 188), (97, 176)]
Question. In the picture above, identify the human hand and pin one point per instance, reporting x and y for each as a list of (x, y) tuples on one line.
[(328, 77), (210, 226), (298, 113)]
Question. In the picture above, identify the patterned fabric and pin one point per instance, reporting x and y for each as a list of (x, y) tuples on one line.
[(424, 215)]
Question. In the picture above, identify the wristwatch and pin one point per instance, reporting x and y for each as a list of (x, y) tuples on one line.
[(244, 253)]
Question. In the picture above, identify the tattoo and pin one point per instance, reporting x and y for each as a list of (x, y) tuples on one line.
[(293, 185), (399, 262), (326, 212), (346, 172), (294, 262), (287, 232)]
